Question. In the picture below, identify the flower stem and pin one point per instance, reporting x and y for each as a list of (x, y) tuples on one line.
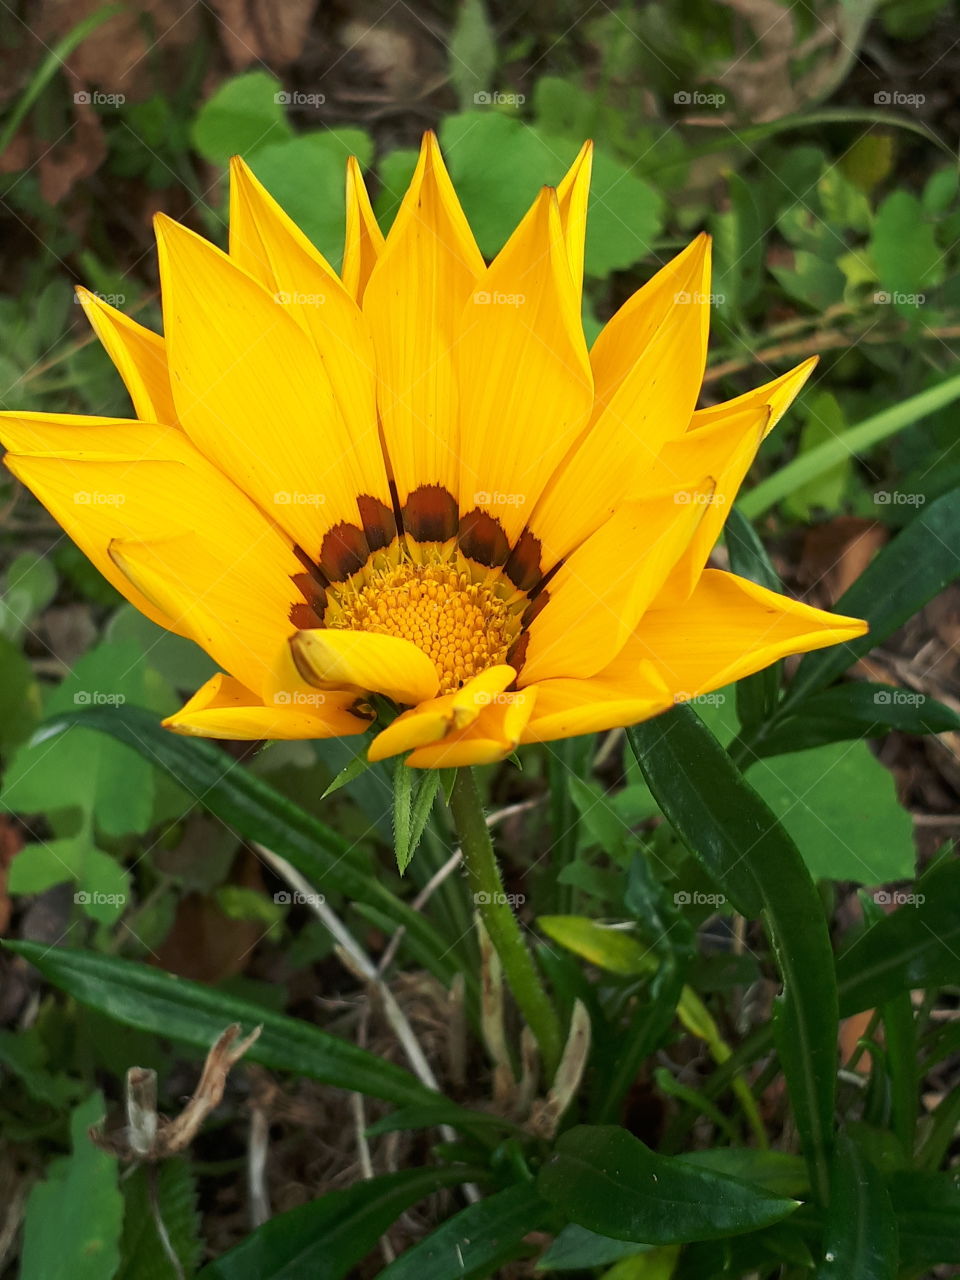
[(500, 922)]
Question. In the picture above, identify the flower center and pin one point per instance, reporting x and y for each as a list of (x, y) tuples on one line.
[(463, 625)]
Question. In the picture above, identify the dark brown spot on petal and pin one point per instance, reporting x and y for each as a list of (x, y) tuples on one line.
[(378, 521), (362, 710), (344, 551), (431, 514), (518, 651), (482, 538), (311, 590), (310, 565), (304, 618), (523, 566), (534, 608)]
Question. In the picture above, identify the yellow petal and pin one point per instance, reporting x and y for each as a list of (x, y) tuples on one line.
[(363, 242), (114, 481), (224, 708), (573, 194), (649, 372), (728, 629), (365, 660), (416, 293), (599, 595), (253, 394), (722, 441), (523, 371), (432, 721), (496, 732), (566, 708), (139, 355)]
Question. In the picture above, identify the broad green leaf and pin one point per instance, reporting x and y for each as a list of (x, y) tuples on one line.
[(477, 1241), (19, 696), (927, 1206), (657, 1264), (920, 561), (142, 1254), (824, 421), (853, 442), (152, 1000), (257, 812), (610, 949), (773, 1171), (903, 246), (243, 115), (473, 54), (813, 280), (738, 240), (605, 1179), (840, 806), (29, 585), (723, 820), (326, 1238), (74, 1215), (860, 1239), (625, 216), (856, 709), (917, 945), (180, 662), (576, 1248)]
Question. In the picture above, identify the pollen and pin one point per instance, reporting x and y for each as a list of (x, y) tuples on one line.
[(464, 626)]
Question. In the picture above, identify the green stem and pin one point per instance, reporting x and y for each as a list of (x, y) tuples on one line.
[(500, 922)]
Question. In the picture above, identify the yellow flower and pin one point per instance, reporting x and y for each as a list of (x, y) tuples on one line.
[(413, 480)]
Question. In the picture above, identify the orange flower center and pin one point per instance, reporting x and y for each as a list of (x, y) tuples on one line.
[(464, 626)]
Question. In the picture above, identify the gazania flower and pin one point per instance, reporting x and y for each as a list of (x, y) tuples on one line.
[(411, 486)]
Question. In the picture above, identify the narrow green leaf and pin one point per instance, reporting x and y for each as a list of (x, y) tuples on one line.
[(143, 1256), (257, 812), (359, 764), (576, 1248), (154, 1001), (860, 1240), (326, 1238), (816, 462), (477, 1241), (927, 1206), (723, 820), (918, 945), (429, 1115), (603, 1178), (920, 561), (756, 694), (414, 791)]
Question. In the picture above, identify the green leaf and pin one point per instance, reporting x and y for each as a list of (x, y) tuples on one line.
[(359, 764), (151, 1000), (74, 1216), (904, 247), (738, 237), (257, 812), (430, 1115), (756, 694), (813, 280), (473, 54), (839, 804), (610, 949), (142, 1254), (30, 583), (919, 562), (857, 709), (475, 1242), (824, 422), (927, 1206), (326, 1238), (243, 115), (603, 1178), (576, 1248), (414, 792), (625, 216), (851, 443), (918, 945), (860, 1240), (725, 822), (19, 696), (774, 1171)]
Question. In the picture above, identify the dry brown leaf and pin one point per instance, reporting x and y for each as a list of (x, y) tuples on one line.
[(263, 31)]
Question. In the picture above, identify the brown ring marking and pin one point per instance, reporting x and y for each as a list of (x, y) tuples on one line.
[(482, 538), (523, 564), (431, 514), (378, 520)]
